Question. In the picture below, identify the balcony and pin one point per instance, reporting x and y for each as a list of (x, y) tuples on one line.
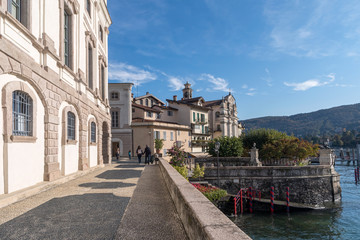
[(199, 143)]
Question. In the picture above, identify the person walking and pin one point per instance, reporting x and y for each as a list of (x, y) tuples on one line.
[(139, 153), (117, 154), (129, 154), (147, 155)]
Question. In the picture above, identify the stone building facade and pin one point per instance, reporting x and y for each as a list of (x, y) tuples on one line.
[(121, 116), (55, 117), (223, 117)]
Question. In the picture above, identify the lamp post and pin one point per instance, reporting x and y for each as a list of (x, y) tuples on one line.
[(217, 147)]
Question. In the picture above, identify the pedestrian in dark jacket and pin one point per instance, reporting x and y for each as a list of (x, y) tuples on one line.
[(147, 154)]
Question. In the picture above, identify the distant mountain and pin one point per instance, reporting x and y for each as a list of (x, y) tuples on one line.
[(329, 121)]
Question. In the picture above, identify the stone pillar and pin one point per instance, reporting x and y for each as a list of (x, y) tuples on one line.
[(51, 166), (254, 155), (83, 148), (326, 157)]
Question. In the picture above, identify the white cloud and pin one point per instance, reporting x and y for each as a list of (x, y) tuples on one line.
[(268, 78), (306, 30), (175, 84), (123, 72), (311, 83), (250, 93), (244, 86), (218, 84)]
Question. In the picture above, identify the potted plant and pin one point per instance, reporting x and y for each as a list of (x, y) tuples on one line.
[(159, 143)]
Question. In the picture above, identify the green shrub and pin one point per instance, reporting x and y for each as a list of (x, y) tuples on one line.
[(198, 171), (182, 170)]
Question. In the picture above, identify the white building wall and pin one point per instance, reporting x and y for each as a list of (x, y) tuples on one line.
[(25, 160)]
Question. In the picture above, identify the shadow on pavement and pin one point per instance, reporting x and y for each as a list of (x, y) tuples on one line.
[(130, 166), (120, 174), (88, 216), (106, 185)]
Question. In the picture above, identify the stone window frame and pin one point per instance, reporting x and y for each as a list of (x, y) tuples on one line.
[(90, 41), (25, 13), (92, 120), (72, 8), (102, 78), (7, 101), (65, 140), (101, 33), (112, 95)]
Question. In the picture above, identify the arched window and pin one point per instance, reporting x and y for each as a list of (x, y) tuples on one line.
[(93, 132), (70, 126), (217, 114), (22, 114)]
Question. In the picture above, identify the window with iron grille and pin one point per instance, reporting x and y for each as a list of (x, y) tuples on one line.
[(93, 132), (170, 113), (115, 119), (22, 114), (149, 114), (70, 126)]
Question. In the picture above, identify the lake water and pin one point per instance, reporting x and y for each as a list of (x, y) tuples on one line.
[(341, 222)]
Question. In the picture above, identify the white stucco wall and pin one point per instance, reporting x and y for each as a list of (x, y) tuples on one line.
[(93, 156), (68, 156), (25, 160)]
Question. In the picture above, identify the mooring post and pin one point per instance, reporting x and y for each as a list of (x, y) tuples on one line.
[(241, 201), (272, 200), (287, 200), (235, 210), (250, 200), (356, 179)]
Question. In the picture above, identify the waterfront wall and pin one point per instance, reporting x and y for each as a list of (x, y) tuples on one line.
[(201, 218), (309, 185)]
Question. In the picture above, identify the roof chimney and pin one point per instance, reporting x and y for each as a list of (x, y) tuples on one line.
[(175, 98), (147, 93)]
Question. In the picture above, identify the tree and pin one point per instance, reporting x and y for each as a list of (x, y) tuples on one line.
[(229, 147), (261, 137)]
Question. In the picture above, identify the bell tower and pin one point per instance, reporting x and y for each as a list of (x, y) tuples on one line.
[(187, 91)]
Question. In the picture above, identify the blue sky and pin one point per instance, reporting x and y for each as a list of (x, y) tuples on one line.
[(276, 57)]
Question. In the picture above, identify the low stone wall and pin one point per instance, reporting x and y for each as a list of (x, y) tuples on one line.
[(201, 218), (224, 161), (309, 185)]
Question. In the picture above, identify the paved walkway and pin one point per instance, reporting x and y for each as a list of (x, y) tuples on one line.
[(96, 206)]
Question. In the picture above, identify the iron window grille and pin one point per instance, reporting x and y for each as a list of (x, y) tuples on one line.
[(70, 126), (22, 114), (93, 132)]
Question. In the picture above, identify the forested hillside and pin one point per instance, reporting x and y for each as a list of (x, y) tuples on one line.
[(322, 122)]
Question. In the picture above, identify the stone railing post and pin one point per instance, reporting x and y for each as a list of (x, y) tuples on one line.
[(254, 157), (326, 157)]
